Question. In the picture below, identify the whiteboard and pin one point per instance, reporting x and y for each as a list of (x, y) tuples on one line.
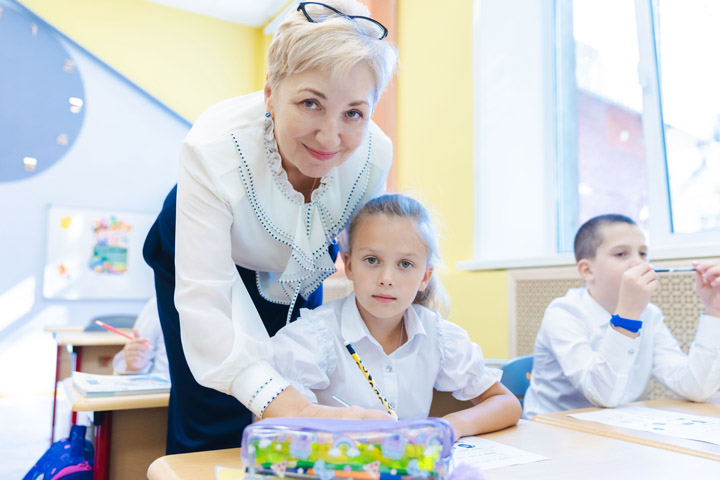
[(96, 254)]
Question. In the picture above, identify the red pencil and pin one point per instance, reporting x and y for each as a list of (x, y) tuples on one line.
[(119, 332)]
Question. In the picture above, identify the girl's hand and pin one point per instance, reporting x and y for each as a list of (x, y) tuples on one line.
[(137, 353), (707, 286), (349, 413), (291, 403)]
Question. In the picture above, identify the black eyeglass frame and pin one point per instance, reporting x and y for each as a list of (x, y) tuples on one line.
[(301, 7)]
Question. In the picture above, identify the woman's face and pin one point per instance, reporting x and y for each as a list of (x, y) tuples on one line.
[(319, 122)]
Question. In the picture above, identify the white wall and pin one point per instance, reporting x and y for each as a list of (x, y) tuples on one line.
[(125, 159)]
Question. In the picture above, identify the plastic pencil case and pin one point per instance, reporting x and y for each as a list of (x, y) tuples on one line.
[(329, 448)]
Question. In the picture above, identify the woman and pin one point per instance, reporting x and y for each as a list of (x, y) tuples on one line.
[(267, 181)]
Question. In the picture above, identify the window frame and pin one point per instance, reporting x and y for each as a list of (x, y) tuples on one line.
[(559, 194)]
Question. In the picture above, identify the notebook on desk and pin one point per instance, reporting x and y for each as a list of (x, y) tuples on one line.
[(94, 385)]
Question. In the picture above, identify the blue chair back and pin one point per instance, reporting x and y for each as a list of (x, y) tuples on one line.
[(516, 375)]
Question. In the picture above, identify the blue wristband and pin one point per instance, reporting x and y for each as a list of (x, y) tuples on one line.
[(633, 326)]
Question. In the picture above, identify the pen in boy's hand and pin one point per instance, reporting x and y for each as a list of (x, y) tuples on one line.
[(119, 332), (675, 269)]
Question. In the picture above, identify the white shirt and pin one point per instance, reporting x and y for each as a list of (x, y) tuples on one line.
[(581, 361), (148, 326), (235, 206), (311, 354)]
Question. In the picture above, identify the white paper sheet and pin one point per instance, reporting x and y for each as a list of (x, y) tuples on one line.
[(487, 454), (664, 422)]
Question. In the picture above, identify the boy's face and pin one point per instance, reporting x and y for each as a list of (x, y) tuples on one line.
[(388, 266), (623, 246)]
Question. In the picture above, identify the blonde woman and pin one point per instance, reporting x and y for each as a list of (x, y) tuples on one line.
[(267, 181)]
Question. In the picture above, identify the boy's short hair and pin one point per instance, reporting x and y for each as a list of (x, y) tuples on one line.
[(588, 237)]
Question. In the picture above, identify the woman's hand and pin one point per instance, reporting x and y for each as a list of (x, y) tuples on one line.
[(137, 353), (291, 403)]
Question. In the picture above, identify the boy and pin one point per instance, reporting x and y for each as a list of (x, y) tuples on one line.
[(599, 345)]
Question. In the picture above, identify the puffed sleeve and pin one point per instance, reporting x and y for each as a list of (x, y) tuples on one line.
[(462, 368), (225, 341), (304, 353)]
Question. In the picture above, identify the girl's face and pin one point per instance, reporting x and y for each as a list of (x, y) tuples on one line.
[(388, 266), (319, 120)]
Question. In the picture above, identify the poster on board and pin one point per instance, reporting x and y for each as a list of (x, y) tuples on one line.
[(96, 254)]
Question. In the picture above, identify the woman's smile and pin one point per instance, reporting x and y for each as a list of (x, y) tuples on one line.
[(320, 155)]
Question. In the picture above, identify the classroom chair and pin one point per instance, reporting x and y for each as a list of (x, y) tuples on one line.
[(114, 320), (516, 375)]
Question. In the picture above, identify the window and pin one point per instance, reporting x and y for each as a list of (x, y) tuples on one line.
[(687, 37), (601, 146), (618, 107)]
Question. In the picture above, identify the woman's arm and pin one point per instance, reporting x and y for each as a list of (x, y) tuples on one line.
[(496, 408)]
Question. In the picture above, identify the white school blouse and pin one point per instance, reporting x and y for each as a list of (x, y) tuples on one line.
[(235, 206), (580, 361), (148, 326), (310, 353)]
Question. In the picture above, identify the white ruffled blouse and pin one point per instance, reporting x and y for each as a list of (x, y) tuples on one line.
[(235, 206), (310, 353)]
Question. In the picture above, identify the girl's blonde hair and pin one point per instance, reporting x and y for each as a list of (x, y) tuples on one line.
[(335, 45), (403, 206)]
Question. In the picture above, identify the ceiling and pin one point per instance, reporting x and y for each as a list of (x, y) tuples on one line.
[(254, 13)]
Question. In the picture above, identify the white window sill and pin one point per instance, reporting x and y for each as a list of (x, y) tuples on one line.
[(682, 254)]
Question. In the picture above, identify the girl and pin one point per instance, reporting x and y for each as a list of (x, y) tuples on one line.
[(407, 348)]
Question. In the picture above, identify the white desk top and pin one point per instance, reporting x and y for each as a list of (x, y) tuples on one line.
[(572, 455), (80, 403), (682, 445), (86, 339)]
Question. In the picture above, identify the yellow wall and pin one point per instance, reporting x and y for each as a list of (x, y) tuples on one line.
[(187, 61), (190, 61), (435, 154)]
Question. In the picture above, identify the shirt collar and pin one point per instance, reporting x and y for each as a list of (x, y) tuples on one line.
[(599, 314), (353, 327)]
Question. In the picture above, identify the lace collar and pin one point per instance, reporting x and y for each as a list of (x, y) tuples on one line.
[(275, 164), (306, 228)]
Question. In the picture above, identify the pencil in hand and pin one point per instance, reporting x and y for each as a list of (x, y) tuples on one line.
[(119, 332), (370, 380), (674, 269)]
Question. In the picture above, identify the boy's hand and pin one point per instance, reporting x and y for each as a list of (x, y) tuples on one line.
[(637, 285), (707, 285), (136, 353)]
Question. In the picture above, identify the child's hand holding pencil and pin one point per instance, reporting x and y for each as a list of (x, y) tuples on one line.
[(137, 351)]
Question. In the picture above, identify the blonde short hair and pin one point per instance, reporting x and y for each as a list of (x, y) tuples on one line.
[(335, 45)]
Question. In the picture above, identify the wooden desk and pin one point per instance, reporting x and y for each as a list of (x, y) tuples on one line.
[(130, 431), (674, 444), (573, 455), (81, 351)]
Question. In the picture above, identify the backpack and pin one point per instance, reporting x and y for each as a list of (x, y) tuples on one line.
[(67, 459)]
